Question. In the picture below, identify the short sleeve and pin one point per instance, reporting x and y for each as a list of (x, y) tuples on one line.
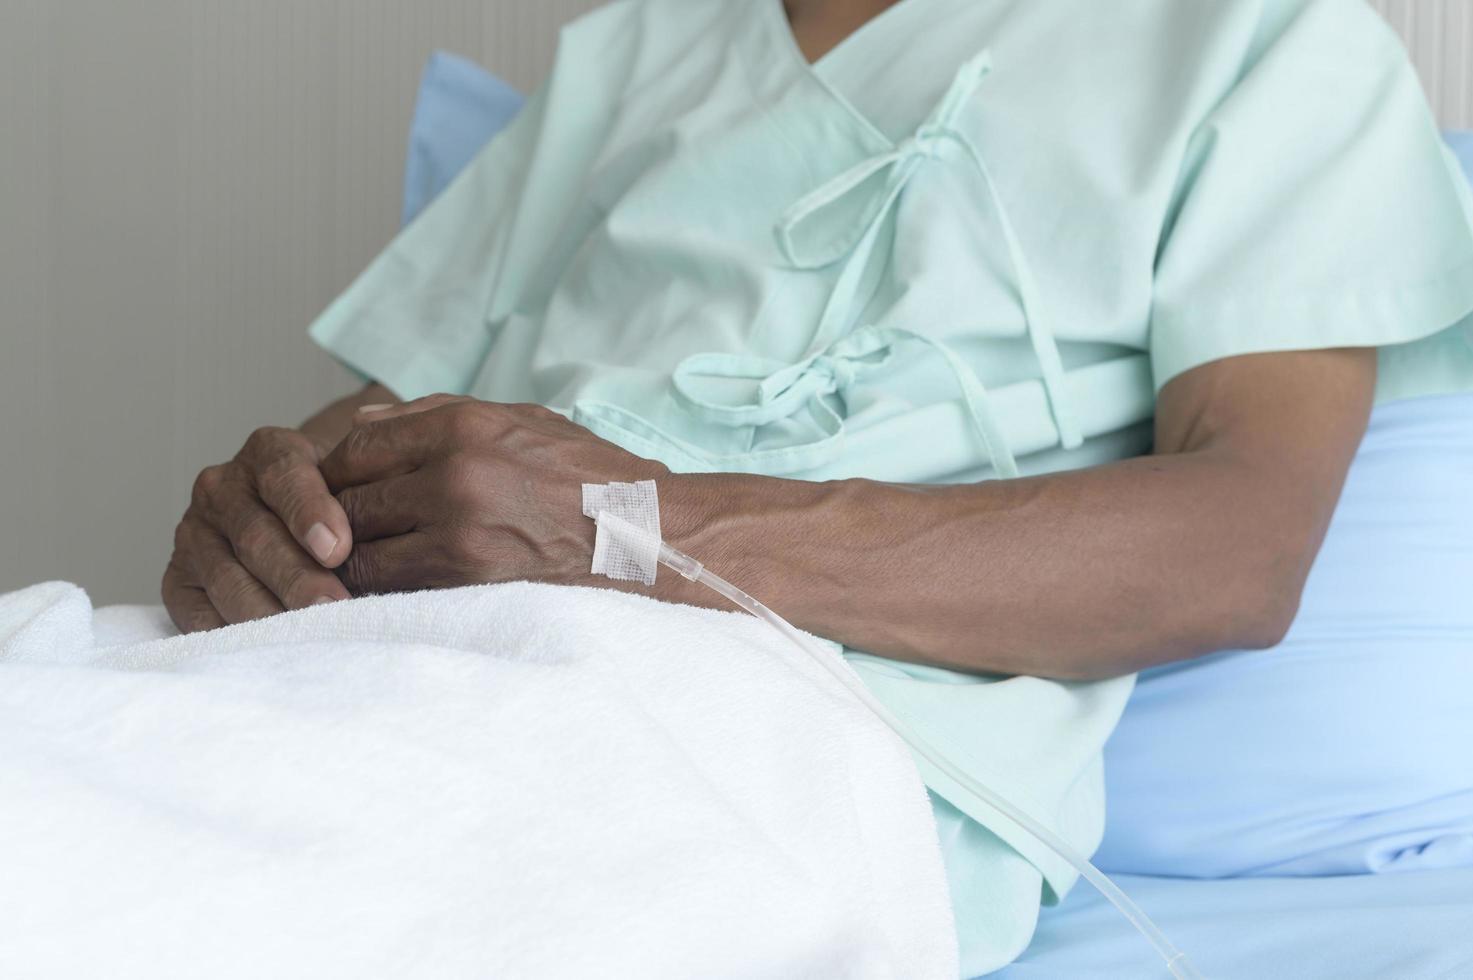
[(1319, 207), (415, 319)]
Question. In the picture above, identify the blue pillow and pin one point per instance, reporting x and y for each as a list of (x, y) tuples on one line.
[(1462, 144), (460, 107)]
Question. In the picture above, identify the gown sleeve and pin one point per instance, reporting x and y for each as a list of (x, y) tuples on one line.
[(416, 319), (1318, 207)]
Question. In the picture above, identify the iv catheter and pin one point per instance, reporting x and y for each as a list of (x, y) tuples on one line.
[(639, 540)]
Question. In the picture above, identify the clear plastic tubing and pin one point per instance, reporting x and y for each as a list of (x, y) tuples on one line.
[(688, 567)]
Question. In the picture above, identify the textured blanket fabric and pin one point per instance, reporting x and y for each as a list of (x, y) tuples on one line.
[(512, 781)]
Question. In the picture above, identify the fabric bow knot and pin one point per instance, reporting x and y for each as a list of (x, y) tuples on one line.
[(770, 390), (902, 162), (778, 389)]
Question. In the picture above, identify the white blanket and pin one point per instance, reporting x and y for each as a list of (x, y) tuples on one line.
[(511, 781)]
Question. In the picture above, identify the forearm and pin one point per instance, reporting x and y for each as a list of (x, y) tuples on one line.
[(1090, 573), (328, 426), (1083, 574)]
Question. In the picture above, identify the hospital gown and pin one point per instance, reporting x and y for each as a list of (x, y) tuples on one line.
[(972, 241)]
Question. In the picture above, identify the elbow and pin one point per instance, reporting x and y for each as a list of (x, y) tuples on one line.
[(1257, 615), (1267, 623), (1249, 603), (1263, 609)]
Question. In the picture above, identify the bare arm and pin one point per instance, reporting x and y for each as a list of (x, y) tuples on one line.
[(1203, 546)]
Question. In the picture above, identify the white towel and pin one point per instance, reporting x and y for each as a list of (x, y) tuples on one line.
[(509, 781)]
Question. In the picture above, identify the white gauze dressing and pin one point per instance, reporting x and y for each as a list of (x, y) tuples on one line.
[(628, 557)]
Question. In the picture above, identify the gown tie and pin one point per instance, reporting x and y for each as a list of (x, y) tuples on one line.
[(818, 231)]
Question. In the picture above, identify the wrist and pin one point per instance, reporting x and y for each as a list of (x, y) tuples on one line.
[(751, 530), (712, 518), (687, 506)]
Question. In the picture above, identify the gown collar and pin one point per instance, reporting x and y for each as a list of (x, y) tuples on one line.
[(841, 221)]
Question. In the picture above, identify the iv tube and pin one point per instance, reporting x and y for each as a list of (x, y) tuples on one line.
[(689, 568)]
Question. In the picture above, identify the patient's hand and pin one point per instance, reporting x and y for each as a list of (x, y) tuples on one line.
[(260, 535), (450, 491)]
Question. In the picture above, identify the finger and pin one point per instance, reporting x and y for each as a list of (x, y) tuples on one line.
[(377, 450), (269, 552), (283, 466), (187, 604), (293, 488), (387, 508), (400, 564), (234, 592), (376, 413)]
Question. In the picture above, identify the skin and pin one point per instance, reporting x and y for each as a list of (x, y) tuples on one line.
[(1202, 546), (819, 26), (262, 533)]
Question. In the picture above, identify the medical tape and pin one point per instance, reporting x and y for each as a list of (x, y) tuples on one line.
[(627, 557)]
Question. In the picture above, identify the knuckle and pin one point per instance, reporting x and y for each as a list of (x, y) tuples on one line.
[(462, 482), (207, 483), (187, 606), (271, 446), (217, 581), (455, 546), (358, 509), (266, 439), (463, 422), (272, 477), (238, 596), (279, 481), (463, 550), (255, 534), (296, 586), (355, 441), (358, 573), (256, 441), (184, 533)]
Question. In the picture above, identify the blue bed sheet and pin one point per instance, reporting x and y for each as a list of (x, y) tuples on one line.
[(1415, 925)]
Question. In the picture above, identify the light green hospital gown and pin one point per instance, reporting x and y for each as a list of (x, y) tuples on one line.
[(974, 240)]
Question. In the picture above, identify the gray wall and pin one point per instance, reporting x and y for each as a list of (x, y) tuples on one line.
[(184, 184)]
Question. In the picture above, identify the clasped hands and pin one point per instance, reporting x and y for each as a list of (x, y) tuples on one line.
[(435, 493)]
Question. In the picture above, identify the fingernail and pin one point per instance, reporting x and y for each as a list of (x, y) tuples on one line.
[(321, 541), (369, 409), (320, 600)]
